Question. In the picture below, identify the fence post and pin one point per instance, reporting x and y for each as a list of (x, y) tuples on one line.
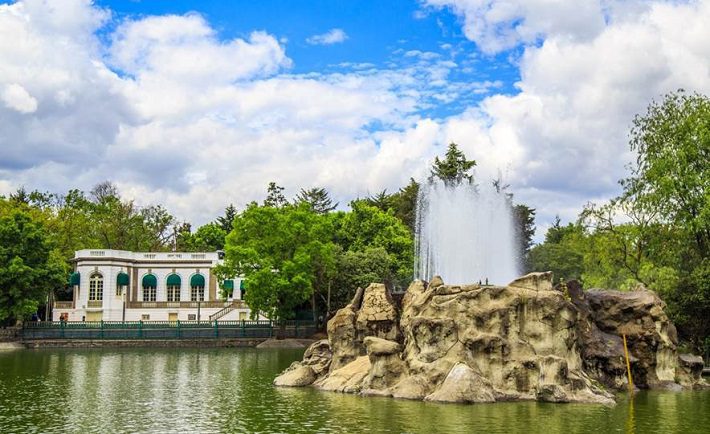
[(177, 329), (271, 329), (216, 330), (140, 329), (101, 332), (296, 328), (243, 331), (61, 329)]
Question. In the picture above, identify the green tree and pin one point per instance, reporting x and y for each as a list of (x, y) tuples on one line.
[(562, 252), (209, 237), (280, 252), (524, 218), (671, 177), (318, 199), (29, 265), (275, 196), (367, 227), (454, 168), (225, 221)]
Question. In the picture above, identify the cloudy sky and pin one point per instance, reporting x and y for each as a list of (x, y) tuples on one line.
[(195, 104)]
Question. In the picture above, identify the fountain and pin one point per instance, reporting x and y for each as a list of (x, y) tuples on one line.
[(465, 234)]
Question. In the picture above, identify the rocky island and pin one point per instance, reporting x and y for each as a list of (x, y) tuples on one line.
[(477, 343)]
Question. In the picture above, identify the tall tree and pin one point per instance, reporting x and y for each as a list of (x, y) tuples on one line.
[(280, 251), (225, 221), (524, 217), (318, 199), (275, 196), (29, 265), (454, 168)]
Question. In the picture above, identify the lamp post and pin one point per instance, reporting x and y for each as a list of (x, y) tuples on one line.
[(123, 296)]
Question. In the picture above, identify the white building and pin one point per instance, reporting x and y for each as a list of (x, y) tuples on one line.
[(118, 285)]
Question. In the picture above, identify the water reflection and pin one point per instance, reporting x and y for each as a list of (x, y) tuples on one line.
[(229, 390)]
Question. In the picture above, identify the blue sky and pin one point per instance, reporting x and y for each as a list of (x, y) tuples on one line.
[(196, 105), (379, 36)]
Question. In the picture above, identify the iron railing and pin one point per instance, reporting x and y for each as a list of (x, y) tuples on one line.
[(97, 330)]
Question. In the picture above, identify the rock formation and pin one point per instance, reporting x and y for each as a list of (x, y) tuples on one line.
[(472, 343)]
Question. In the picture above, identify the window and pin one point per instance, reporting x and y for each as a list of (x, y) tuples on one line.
[(150, 284), (173, 293), (197, 286), (96, 287), (145, 317), (173, 286), (197, 293)]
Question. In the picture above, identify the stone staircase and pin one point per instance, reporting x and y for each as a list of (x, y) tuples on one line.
[(222, 312)]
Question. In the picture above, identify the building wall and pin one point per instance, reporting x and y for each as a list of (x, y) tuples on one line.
[(109, 263)]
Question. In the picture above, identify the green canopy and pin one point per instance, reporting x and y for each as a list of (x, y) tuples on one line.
[(173, 280), (197, 280), (122, 279), (74, 279), (228, 284), (241, 284), (149, 281)]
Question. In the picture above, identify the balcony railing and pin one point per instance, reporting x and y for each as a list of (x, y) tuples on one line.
[(64, 305), (95, 303), (180, 304)]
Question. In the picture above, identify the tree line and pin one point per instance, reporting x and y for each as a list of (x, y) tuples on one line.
[(656, 233), (303, 252)]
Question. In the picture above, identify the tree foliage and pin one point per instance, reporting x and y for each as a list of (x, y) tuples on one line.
[(318, 199), (280, 251), (30, 267), (454, 168)]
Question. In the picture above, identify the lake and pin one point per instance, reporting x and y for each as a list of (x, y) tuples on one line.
[(229, 390)]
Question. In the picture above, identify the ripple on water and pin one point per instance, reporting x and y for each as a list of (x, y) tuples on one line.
[(229, 390)]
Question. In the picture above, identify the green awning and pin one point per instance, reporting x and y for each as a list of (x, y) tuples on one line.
[(74, 279), (149, 281), (173, 280), (122, 279), (228, 284), (241, 285), (197, 280)]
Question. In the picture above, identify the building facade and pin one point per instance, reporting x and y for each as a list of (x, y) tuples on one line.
[(118, 285)]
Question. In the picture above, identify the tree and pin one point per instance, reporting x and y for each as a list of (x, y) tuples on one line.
[(318, 199), (562, 252), (454, 168), (357, 269), (671, 177), (524, 218), (225, 221), (209, 237), (274, 196), (368, 227), (280, 251), (29, 266)]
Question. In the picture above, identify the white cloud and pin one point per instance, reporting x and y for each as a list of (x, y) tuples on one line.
[(332, 36), (177, 116), (16, 97), (185, 48), (564, 135)]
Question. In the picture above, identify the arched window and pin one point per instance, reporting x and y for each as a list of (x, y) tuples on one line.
[(150, 284), (173, 284), (197, 287), (122, 281), (96, 287)]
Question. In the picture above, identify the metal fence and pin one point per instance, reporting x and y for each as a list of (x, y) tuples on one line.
[(165, 329)]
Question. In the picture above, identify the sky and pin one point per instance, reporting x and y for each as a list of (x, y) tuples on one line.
[(198, 104)]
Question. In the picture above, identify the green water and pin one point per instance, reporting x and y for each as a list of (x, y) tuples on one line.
[(229, 390)]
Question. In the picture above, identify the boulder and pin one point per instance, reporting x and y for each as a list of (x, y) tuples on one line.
[(297, 375), (463, 384), (473, 343), (534, 281)]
